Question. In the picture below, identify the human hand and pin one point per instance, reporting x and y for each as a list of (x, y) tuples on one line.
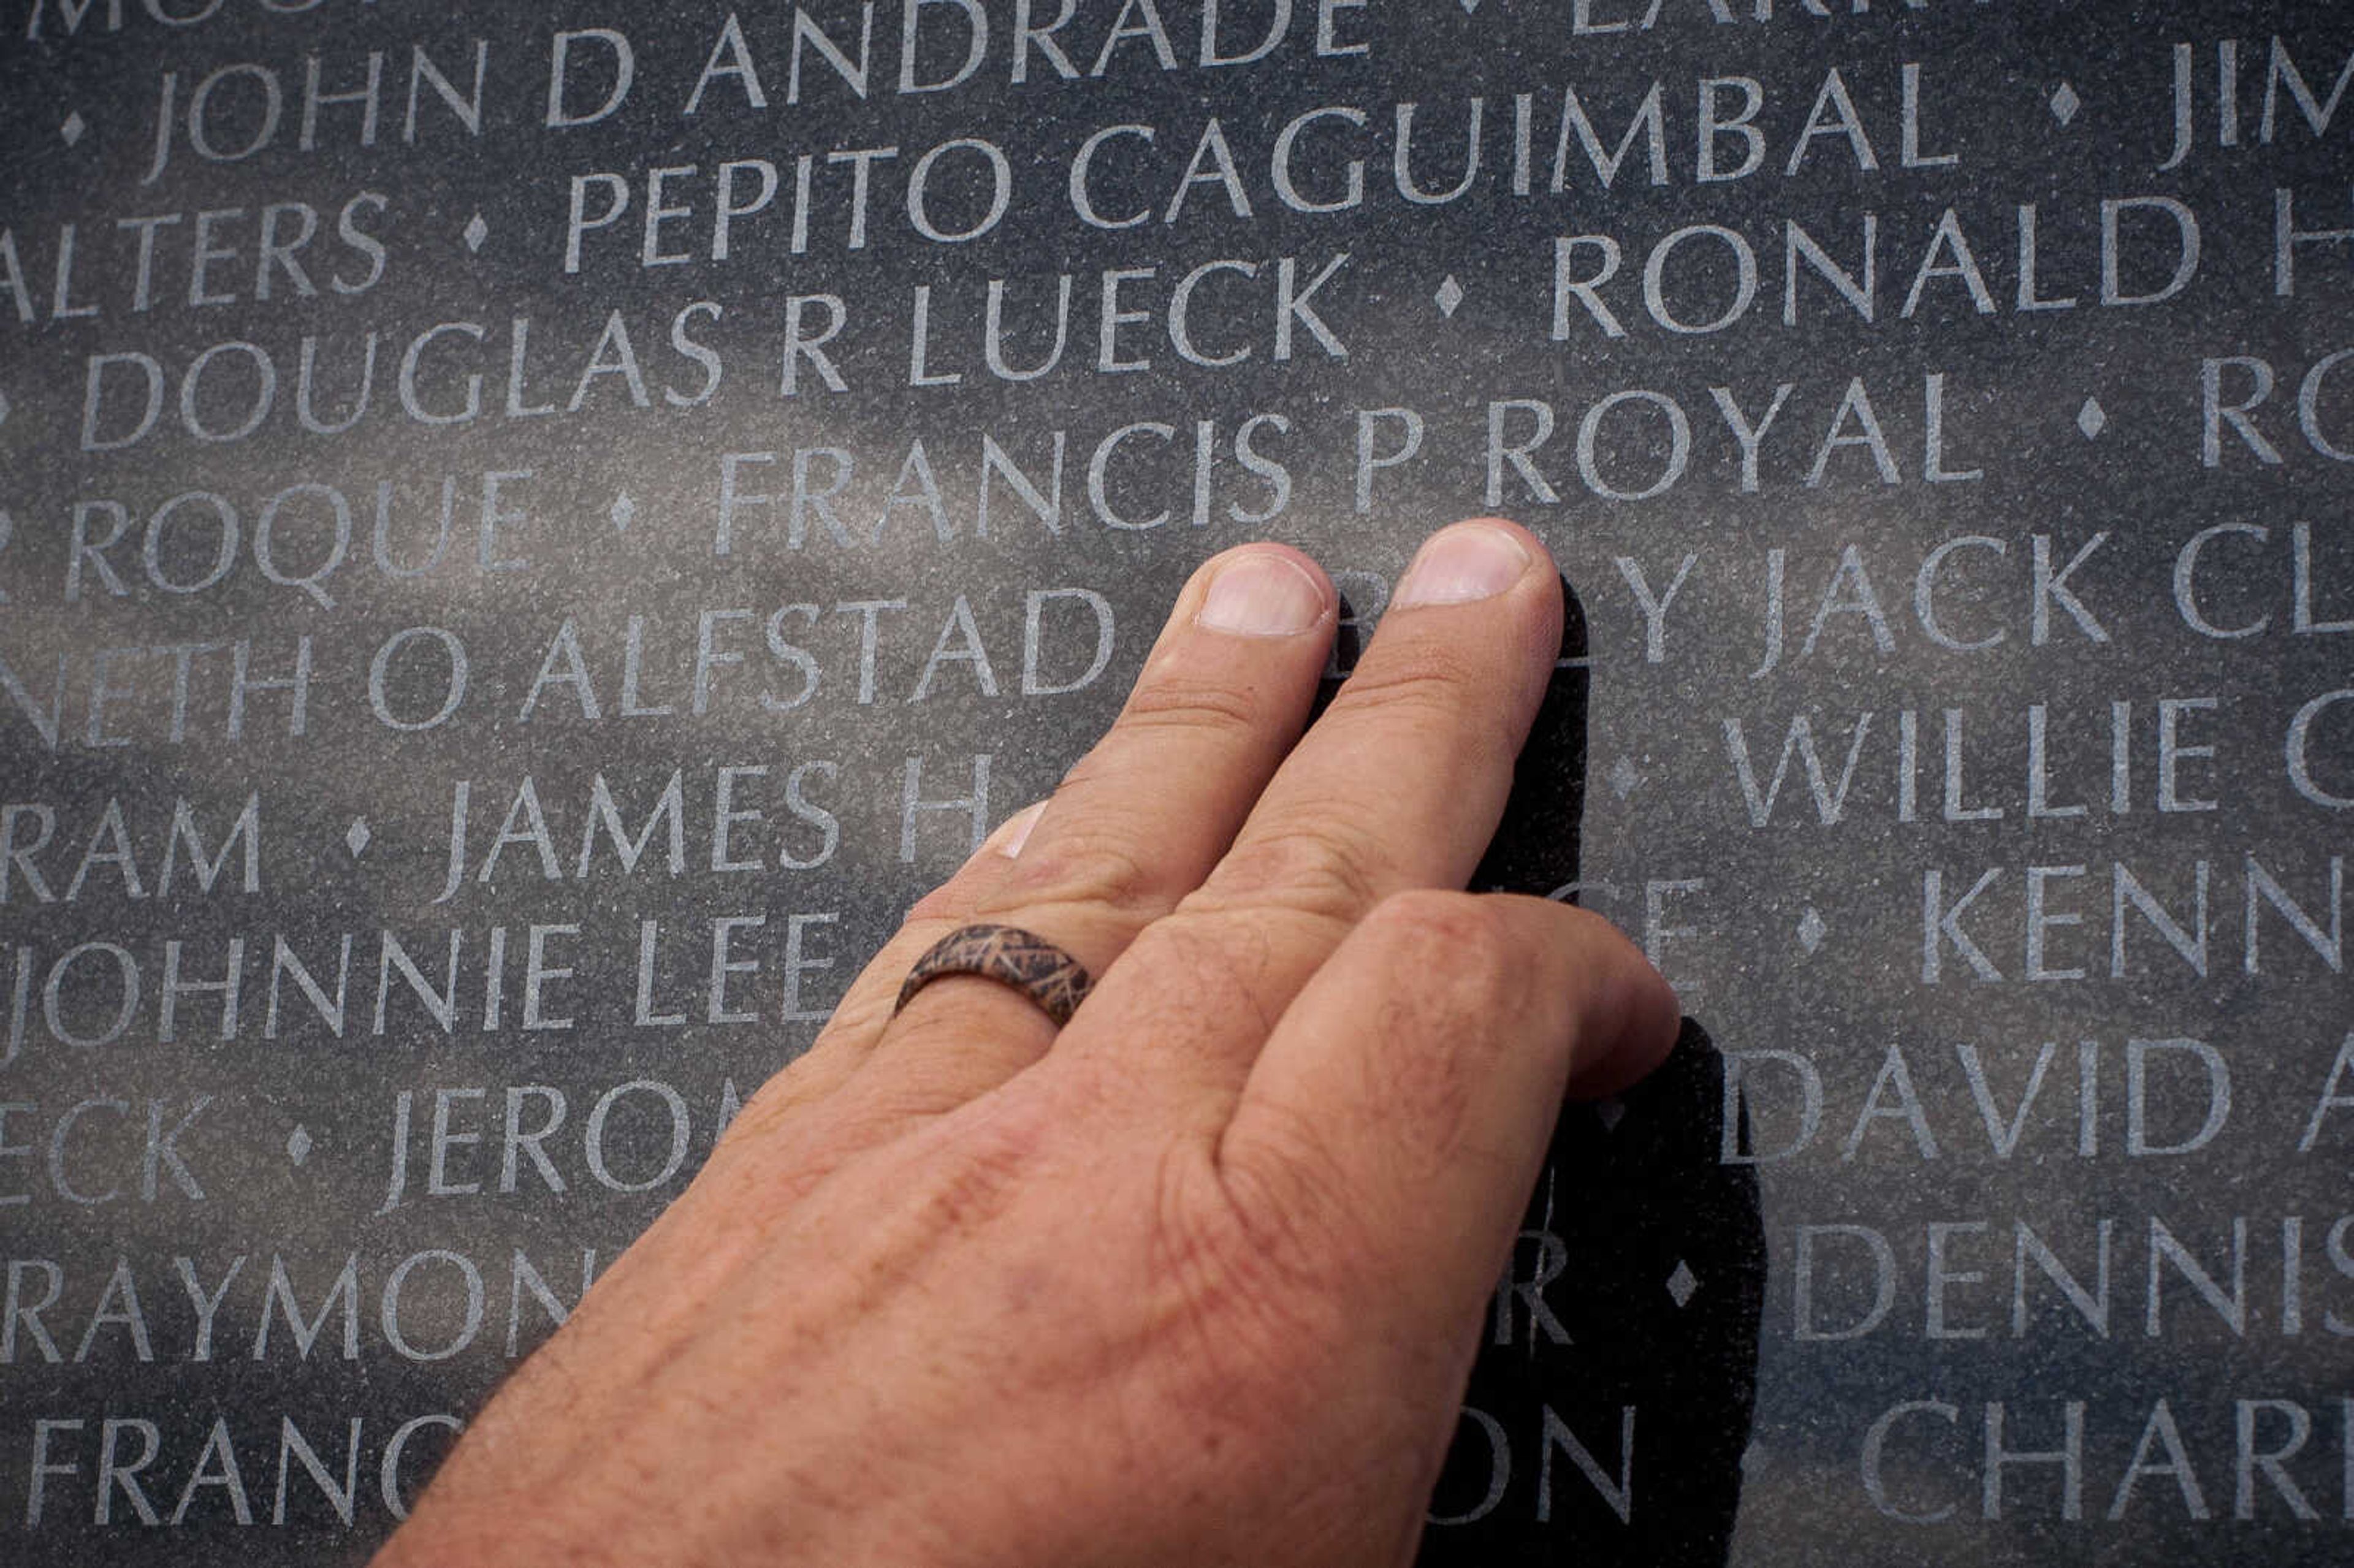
[(1195, 1280)]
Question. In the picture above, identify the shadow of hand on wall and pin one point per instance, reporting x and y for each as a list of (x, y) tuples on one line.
[(1610, 1406)]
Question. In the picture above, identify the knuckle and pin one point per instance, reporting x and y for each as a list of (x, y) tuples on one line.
[(1089, 773), (1315, 863), (1424, 681), (1481, 947), (1249, 962), (1092, 867), (1166, 702), (1465, 919)]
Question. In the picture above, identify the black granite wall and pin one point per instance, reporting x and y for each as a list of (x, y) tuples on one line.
[(528, 534)]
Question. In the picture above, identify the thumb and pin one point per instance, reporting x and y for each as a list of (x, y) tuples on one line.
[(1413, 1083)]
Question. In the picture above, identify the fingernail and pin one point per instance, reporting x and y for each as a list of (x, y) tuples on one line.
[(1469, 561), (1016, 831), (1262, 593)]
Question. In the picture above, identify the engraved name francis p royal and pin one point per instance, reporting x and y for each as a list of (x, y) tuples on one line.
[(529, 535)]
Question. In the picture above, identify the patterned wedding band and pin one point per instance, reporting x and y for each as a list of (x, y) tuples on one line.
[(1011, 957)]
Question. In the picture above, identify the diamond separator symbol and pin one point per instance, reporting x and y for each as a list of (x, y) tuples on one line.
[(1449, 296), (2064, 103), (357, 838), (475, 232), (2091, 419), (1682, 1283)]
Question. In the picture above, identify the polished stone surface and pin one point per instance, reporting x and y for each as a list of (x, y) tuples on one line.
[(529, 535)]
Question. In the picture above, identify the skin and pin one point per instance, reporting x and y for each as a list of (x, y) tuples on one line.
[(1195, 1280)]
